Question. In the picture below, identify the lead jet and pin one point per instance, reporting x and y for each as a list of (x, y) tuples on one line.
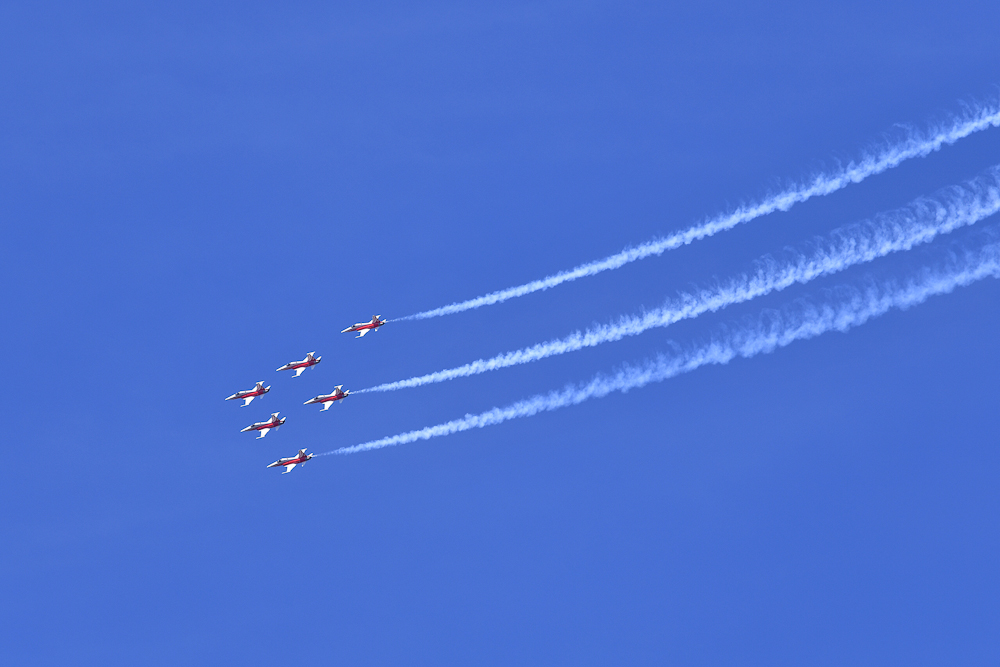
[(328, 399), (299, 366), (292, 461), (250, 394), (365, 327), (264, 427)]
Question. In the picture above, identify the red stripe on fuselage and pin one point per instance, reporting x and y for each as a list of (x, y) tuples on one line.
[(250, 393), (285, 462)]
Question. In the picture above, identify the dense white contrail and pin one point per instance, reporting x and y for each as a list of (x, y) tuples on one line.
[(920, 222), (918, 144), (765, 334)]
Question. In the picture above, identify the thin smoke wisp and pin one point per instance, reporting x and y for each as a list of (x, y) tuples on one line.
[(763, 335), (918, 144), (895, 231)]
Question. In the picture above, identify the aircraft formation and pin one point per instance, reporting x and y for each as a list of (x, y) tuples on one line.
[(338, 394), (889, 232)]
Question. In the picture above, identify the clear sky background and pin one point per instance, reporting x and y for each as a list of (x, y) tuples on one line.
[(196, 193)]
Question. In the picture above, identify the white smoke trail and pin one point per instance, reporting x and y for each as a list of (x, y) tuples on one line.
[(899, 230), (766, 334), (916, 145)]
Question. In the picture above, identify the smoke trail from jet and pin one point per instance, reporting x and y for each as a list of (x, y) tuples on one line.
[(899, 230), (918, 144), (762, 335)]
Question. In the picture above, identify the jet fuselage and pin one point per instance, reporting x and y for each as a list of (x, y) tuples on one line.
[(299, 366)]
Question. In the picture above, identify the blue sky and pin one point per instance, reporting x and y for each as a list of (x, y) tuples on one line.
[(194, 194)]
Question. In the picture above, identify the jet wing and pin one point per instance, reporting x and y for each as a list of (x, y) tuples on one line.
[(247, 400), (288, 468), (363, 332), (263, 432), (298, 371)]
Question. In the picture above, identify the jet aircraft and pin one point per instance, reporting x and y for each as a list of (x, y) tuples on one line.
[(250, 394), (299, 366), (328, 399), (365, 327), (292, 461), (264, 427)]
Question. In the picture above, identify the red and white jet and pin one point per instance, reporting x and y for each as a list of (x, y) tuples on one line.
[(250, 394), (365, 327), (264, 427), (328, 399), (299, 366), (292, 461)]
